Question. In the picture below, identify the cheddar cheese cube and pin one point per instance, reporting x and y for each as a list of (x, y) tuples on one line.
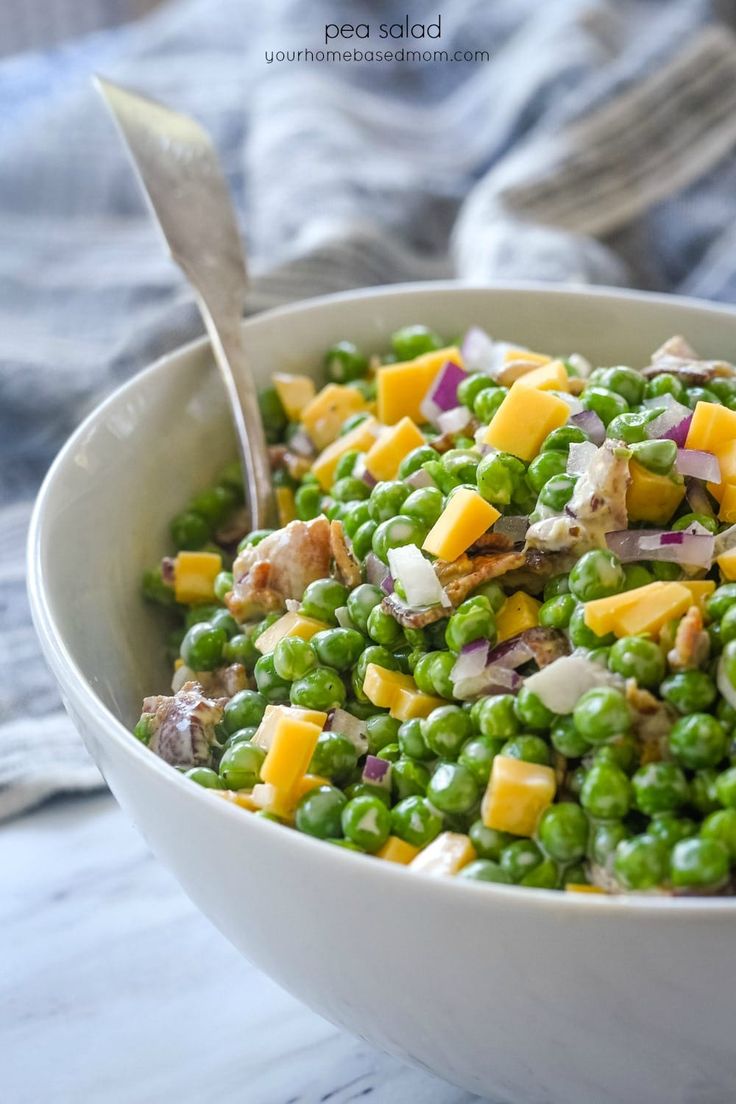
[(194, 576), (400, 388), (727, 564), (414, 703), (383, 458), (263, 736), (700, 590), (712, 427), (550, 377), (650, 612), (445, 855), (358, 439), (651, 497), (466, 517), (295, 393), (582, 887), (237, 797), (518, 793), (285, 505), (727, 512), (519, 612), (726, 457), (306, 783), (397, 850), (291, 624), (524, 419), (513, 354), (382, 686), (600, 614), (290, 753), (324, 415)]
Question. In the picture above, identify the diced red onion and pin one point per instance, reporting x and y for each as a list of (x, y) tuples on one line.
[(672, 424), (478, 350), (699, 464), (339, 720), (417, 576), (580, 457), (377, 772), (387, 584), (480, 670), (683, 547), (369, 479), (493, 680), (472, 660), (698, 498), (514, 527), (590, 423), (375, 569), (513, 652), (442, 395), (452, 421), (420, 478)]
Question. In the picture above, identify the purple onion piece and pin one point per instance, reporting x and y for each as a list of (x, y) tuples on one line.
[(511, 653), (590, 423), (375, 569), (698, 464), (387, 584), (377, 771)]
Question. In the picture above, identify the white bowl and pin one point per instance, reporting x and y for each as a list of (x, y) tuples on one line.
[(517, 994)]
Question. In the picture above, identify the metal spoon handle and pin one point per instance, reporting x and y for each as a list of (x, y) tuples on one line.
[(179, 170)]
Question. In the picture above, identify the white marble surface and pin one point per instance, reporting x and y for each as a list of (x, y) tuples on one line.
[(115, 990)]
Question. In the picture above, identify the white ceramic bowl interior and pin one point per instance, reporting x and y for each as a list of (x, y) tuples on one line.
[(520, 995)]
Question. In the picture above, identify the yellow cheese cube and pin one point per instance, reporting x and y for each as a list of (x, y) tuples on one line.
[(466, 517), (700, 589), (306, 783), (290, 753), (273, 800), (651, 497), (244, 800), (726, 456), (414, 703), (194, 576), (447, 854), (401, 387), (324, 415), (384, 457), (263, 736), (285, 505), (600, 614), (651, 611), (727, 512), (519, 612), (359, 439), (712, 427), (581, 887), (397, 850), (524, 419), (295, 393), (727, 563), (291, 624), (518, 793), (512, 355), (382, 686), (550, 377)]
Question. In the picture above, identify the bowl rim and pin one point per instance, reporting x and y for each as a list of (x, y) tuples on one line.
[(75, 685)]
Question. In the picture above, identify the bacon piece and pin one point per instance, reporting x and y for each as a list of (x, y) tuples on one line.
[(348, 568), (182, 727), (692, 643), (280, 567)]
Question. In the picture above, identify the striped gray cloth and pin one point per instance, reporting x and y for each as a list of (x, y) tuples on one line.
[(597, 144)]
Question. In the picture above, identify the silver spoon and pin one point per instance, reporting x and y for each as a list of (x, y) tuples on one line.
[(181, 176)]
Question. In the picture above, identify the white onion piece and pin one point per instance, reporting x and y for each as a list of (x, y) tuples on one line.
[(673, 424), (478, 349), (343, 618), (725, 541), (580, 457), (471, 661), (292, 605), (581, 364), (724, 684), (181, 675), (339, 720), (699, 464), (420, 478), (576, 407), (452, 421), (375, 569), (417, 577), (562, 683)]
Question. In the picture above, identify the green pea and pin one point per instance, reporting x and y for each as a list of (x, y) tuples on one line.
[(413, 341), (350, 489), (345, 466), (567, 740), (272, 414), (363, 538), (424, 505), (725, 786), (201, 648), (636, 657), (204, 776), (641, 863), (494, 592), (659, 788), (689, 691), (214, 504), (223, 585), (607, 404), (408, 778), (189, 531), (583, 637), (344, 362), (241, 649), (606, 792), (380, 731), (359, 789), (726, 714), (556, 612), (558, 584), (487, 402), (355, 515), (411, 739), (625, 382), (240, 766), (544, 467), (724, 388), (334, 757), (269, 682), (704, 794), (531, 749), (557, 492), (601, 713), (337, 648), (245, 709), (665, 572), (623, 751), (366, 821), (631, 428), (415, 821), (293, 658), (721, 826), (484, 870), (396, 533), (439, 671), (597, 574), (472, 620), (531, 711), (319, 812), (446, 729), (383, 628), (728, 627), (322, 598), (560, 439), (197, 614), (520, 858), (656, 456), (472, 386), (361, 601), (477, 755), (497, 717), (699, 864), (498, 477), (694, 395), (684, 522), (488, 842), (415, 459), (154, 589), (604, 839), (321, 688), (439, 475), (386, 500), (544, 876), (599, 656), (240, 736), (664, 384), (453, 789), (671, 829), (636, 575), (223, 619), (697, 741), (365, 387)]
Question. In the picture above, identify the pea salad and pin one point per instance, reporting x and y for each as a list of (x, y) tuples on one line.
[(493, 636)]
